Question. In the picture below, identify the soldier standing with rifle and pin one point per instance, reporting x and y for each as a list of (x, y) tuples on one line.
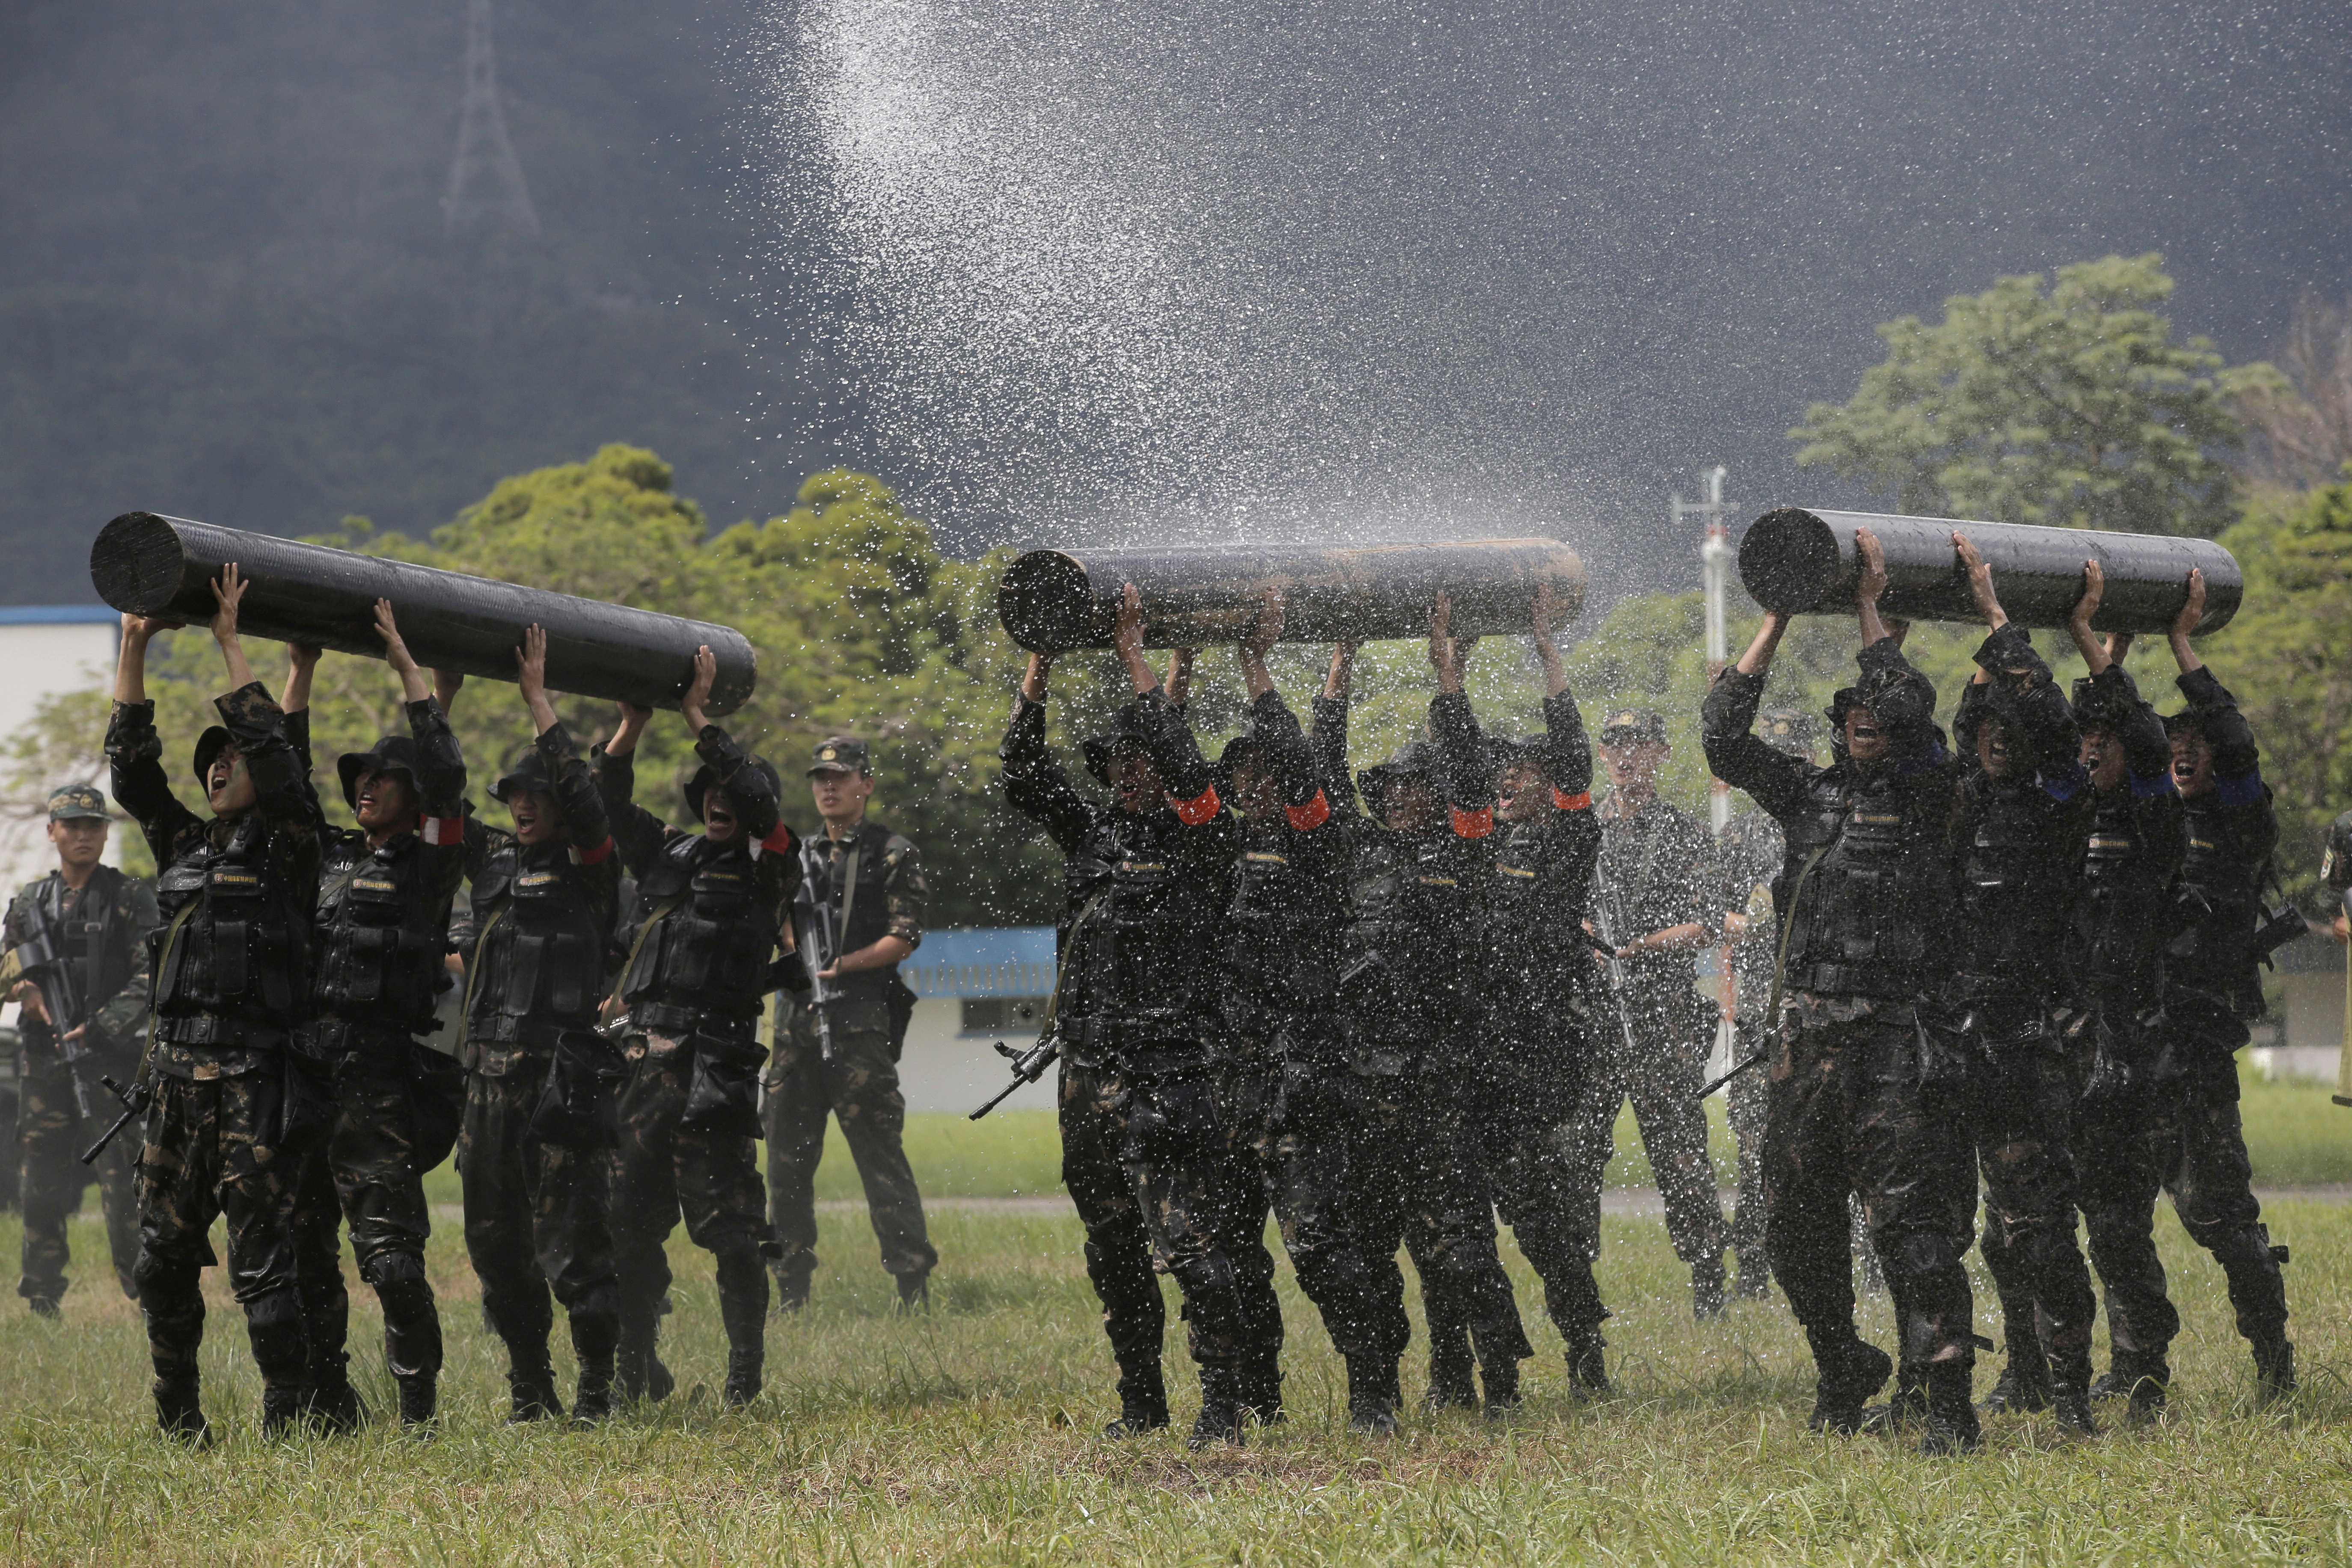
[(1657, 900), (2167, 1095), (1865, 1099), (381, 936), (1136, 1009), (79, 939), (533, 1147), (710, 913), (232, 979), (858, 915)]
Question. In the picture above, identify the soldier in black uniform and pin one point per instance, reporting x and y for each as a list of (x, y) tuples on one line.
[(76, 942), (711, 908), (1751, 850), (2188, 1140), (232, 966), (1412, 960), (1866, 1096), (1537, 988), (532, 1150), (1659, 891), (1138, 1014), (381, 936), (2024, 803), (1288, 1099), (2116, 958)]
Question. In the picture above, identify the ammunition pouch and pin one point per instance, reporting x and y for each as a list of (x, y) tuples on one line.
[(722, 1095), (576, 1109)]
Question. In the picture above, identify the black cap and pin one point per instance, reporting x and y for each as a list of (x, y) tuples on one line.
[(1628, 726), (1126, 730), (209, 746), (1786, 731), (529, 770), (840, 755), (392, 754)]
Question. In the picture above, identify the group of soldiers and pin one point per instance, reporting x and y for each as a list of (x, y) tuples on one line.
[(1388, 1007), (270, 1004), (1385, 1007)]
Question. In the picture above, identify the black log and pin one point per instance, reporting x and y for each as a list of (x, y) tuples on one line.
[(152, 565), (1802, 561), (1195, 595)]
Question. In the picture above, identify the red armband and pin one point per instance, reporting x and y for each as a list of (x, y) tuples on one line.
[(1313, 814), (780, 842), (1198, 810), (592, 857), (1474, 824), (1582, 802), (443, 830)]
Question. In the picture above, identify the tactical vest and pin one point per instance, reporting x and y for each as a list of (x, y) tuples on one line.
[(542, 964), (89, 942), (869, 912), (1413, 933), (2015, 893), (1143, 970), (1535, 920), (243, 955), (1875, 916), (2219, 913), (1282, 942), (382, 938), (2121, 910), (710, 952)]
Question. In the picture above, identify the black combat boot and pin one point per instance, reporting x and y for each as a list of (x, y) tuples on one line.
[(284, 1407), (1950, 1427), (1222, 1410), (281, 1354), (1142, 1402), (1587, 1367), (637, 1367), (419, 1401), (1451, 1370), (744, 1311), (1261, 1389), (1501, 1378), (2274, 1367), (46, 1308), (792, 1277), (914, 1292), (178, 1412), (1372, 1394), (1848, 1372), (2024, 1382), (595, 1342), (2142, 1379), (336, 1408), (1905, 1411), (1706, 1289), (1755, 1279), (530, 1388)]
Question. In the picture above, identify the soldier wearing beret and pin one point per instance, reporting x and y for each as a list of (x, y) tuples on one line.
[(858, 915), (77, 960)]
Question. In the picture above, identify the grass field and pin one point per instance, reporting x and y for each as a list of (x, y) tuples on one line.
[(967, 1434)]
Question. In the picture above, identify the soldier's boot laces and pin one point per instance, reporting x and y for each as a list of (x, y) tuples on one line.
[(1706, 1289), (1849, 1374), (1371, 1395), (419, 1402), (179, 1415), (1501, 1378), (1950, 1427), (1588, 1365), (1142, 1404), (2274, 1368), (1222, 1410), (2024, 1385)]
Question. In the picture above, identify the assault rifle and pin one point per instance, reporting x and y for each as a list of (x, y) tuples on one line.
[(38, 958), (1609, 920), (134, 1098), (1028, 1066)]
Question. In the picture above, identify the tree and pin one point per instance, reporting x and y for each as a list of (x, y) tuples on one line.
[(2298, 413), (2070, 404)]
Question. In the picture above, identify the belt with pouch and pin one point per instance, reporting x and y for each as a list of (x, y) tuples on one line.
[(211, 1029)]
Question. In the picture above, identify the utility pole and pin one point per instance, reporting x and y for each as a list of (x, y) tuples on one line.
[(486, 179), (1715, 575)]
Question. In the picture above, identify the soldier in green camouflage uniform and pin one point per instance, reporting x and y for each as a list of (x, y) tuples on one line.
[(839, 1052), (232, 978), (86, 977)]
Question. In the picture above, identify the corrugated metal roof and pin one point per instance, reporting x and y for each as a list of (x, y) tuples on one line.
[(999, 960)]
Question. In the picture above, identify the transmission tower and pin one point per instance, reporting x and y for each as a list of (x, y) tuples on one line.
[(485, 180)]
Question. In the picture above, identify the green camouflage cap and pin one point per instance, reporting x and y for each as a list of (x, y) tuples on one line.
[(1630, 726), (78, 801), (1784, 729), (840, 755)]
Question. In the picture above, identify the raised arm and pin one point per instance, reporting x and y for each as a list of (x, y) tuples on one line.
[(1305, 801), (134, 752), (1034, 784), (1330, 736), (1734, 753), (1463, 759)]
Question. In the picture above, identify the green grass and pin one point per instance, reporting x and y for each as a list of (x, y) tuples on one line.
[(967, 1435)]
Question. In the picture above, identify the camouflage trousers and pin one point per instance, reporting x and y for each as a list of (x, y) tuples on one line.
[(2023, 1101), (213, 1148), (1662, 1072), (662, 1171), (536, 1219), (1861, 1104), (394, 1118), (2181, 1136), (54, 1135), (1531, 1168), (1747, 1100), (860, 1088), (1092, 1102), (1296, 1137)]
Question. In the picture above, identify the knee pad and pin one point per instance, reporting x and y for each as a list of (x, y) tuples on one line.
[(161, 1278), (1919, 1253), (273, 1309), (390, 1269), (1207, 1278)]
